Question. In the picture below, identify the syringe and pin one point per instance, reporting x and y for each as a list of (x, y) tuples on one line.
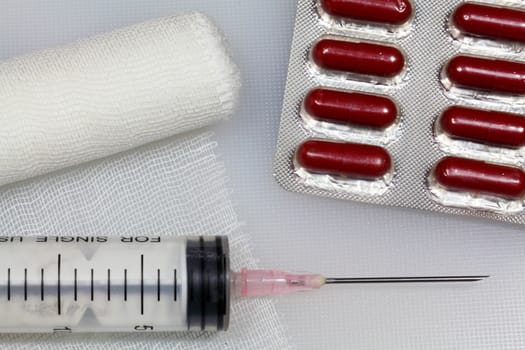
[(141, 283)]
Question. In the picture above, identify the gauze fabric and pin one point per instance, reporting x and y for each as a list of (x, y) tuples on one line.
[(172, 187), (112, 92)]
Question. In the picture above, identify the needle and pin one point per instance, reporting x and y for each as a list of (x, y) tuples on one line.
[(426, 279), (271, 282)]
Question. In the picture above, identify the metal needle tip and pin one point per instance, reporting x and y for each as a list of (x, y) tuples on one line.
[(427, 279)]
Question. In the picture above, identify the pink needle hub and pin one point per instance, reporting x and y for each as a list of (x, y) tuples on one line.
[(251, 283)]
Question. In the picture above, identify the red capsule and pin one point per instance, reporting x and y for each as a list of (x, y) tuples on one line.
[(490, 21), (490, 127), (359, 58), (344, 159), (350, 108), (479, 177), (487, 74), (385, 11)]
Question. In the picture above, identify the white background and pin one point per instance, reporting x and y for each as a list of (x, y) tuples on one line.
[(305, 233)]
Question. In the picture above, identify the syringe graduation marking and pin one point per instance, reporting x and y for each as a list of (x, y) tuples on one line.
[(25, 284), (92, 287), (125, 284), (9, 284), (58, 285), (109, 284), (42, 284), (158, 284), (174, 284), (142, 284), (75, 284)]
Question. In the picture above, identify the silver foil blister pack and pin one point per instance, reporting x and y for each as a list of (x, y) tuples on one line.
[(408, 103)]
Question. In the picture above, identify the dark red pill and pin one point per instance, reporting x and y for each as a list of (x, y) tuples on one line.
[(360, 58), (479, 177), (487, 74), (385, 11), (490, 21), (489, 127), (344, 159), (350, 108)]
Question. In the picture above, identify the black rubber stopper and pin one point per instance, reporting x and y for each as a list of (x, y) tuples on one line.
[(208, 269)]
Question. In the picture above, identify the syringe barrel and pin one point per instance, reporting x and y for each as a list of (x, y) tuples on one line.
[(113, 284)]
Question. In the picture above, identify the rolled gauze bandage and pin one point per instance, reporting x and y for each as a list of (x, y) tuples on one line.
[(112, 92)]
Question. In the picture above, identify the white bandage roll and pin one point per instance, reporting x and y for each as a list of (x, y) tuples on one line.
[(112, 92)]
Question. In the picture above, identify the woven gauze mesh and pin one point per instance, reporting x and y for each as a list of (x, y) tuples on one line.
[(111, 92), (176, 187)]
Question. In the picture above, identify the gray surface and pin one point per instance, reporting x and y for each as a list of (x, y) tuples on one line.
[(309, 233)]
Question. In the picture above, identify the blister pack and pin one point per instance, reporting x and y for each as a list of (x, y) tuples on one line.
[(410, 103)]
